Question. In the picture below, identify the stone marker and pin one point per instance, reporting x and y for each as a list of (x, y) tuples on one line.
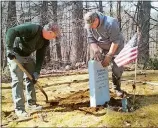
[(124, 104), (98, 83)]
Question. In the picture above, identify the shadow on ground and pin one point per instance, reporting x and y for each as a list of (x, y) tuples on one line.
[(81, 101)]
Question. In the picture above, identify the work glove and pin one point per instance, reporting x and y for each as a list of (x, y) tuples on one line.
[(11, 55), (35, 77), (97, 55)]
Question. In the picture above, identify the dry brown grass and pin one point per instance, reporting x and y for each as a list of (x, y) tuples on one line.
[(73, 109)]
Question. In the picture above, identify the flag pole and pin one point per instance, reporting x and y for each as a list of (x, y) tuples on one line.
[(136, 63), (135, 78)]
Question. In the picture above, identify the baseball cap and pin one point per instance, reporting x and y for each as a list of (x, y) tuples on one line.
[(51, 26), (51, 31), (89, 18)]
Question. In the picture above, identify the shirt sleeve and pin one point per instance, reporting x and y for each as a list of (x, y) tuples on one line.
[(114, 32), (90, 37), (10, 37), (24, 30), (40, 55)]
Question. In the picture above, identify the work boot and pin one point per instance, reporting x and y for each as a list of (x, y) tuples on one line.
[(34, 107), (21, 113)]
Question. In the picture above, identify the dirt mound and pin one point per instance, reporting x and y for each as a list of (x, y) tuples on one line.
[(81, 101)]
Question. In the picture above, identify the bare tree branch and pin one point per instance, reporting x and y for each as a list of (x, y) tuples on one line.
[(153, 40), (153, 27), (154, 8), (153, 19), (131, 17)]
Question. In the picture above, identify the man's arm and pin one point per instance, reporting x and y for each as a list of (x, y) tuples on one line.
[(24, 30), (40, 55), (10, 37), (96, 52), (93, 45), (114, 33), (112, 49)]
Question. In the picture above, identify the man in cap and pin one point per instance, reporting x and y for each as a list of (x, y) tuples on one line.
[(21, 41), (106, 41)]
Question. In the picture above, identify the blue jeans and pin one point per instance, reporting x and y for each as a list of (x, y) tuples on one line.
[(18, 76)]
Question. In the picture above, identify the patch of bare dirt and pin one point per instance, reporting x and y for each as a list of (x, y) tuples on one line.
[(73, 96), (81, 101)]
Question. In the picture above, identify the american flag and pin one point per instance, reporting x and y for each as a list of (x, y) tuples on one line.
[(129, 53)]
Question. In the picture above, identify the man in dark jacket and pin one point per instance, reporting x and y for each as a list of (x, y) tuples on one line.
[(104, 37), (21, 41)]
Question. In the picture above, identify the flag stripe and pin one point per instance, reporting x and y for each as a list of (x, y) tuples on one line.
[(127, 49), (127, 61), (128, 54)]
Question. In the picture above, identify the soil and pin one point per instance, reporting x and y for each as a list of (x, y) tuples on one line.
[(69, 101)]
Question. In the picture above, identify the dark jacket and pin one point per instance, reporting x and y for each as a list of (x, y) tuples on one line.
[(29, 39)]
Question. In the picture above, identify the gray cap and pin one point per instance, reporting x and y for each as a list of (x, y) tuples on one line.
[(89, 18), (52, 26)]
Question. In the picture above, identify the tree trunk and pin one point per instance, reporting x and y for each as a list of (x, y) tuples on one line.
[(44, 20), (44, 11), (157, 38), (2, 52), (119, 13), (12, 19), (57, 41), (144, 8), (100, 6), (77, 32), (11, 22), (111, 9)]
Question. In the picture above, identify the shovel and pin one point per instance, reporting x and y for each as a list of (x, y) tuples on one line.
[(31, 78)]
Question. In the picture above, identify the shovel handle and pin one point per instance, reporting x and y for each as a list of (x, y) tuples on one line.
[(23, 69), (30, 77)]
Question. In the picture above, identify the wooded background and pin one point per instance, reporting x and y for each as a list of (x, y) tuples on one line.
[(72, 47)]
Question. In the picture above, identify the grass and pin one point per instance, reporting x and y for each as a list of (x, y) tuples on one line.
[(65, 116)]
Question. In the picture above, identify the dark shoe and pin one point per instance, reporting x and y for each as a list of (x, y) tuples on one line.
[(34, 107), (21, 113)]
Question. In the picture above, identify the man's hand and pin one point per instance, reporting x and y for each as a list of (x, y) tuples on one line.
[(110, 54), (35, 77), (96, 52), (11, 55), (107, 60), (97, 55)]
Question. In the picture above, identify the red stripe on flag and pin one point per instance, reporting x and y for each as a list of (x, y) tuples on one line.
[(127, 52), (127, 56), (127, 62)]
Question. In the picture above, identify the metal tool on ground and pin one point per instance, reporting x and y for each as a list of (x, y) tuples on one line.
[(31, 78)]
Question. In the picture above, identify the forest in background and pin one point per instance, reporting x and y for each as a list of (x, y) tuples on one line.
[(69, 89), (72, 48)]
